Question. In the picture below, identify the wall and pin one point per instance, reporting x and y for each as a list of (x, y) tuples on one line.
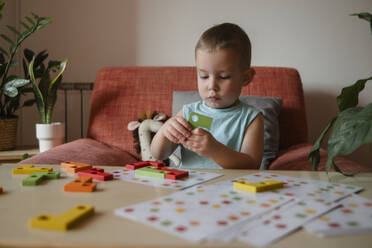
[(329, 48)]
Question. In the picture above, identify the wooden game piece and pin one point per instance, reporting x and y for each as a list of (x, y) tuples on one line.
[(258, 186), (156, 164), (81, 184), (138, 165), (74, 167), (95, 173), (174, 174), (150, 171), (29, 169), (1, 189), (64, 221), (37, 177)]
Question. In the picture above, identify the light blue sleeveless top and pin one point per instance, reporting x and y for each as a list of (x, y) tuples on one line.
[(228, 127)]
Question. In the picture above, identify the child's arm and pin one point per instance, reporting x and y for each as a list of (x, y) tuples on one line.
[(249, 157), (174, 131)]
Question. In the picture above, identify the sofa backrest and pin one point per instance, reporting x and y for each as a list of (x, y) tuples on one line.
[(120, 93)]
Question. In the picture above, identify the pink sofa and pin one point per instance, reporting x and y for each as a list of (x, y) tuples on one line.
[(120, 93)]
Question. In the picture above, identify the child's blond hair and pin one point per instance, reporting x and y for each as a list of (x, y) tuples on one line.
[(227, 35)]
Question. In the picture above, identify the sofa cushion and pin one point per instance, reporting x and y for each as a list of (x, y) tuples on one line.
[(270, 107), (296, 158), (84, 151)]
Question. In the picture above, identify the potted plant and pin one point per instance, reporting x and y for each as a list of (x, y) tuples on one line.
[(351, 128), (50, 134), (12, 86)]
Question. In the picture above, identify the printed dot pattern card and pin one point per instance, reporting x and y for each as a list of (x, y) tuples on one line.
[(283, 221), (354, 216), (194, 178), (198, 212), (319, 191)]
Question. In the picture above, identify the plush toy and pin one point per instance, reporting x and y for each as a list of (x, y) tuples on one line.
[(144, 130)]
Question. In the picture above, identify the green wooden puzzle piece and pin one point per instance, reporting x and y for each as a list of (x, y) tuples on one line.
[(150, 171), (37, 177), (198, 120)]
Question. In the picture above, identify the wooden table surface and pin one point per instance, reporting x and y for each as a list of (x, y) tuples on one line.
[(18, 204)]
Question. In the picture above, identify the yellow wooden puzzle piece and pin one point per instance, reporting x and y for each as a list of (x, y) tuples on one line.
[(64, 221), (258, 186), (29, 169)]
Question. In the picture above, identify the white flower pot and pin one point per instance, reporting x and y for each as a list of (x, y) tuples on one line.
[(50, 135)]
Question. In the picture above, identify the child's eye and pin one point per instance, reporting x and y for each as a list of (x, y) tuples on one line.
[(203, 77), (224, 77)]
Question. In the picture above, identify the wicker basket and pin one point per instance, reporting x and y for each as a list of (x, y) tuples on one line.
[(8, 133)]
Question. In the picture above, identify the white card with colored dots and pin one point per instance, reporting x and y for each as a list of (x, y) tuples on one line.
[(282, 222), (198, 212), (194, 178), (300, 188), (355, 216)]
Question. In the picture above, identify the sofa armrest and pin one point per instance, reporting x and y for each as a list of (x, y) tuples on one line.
[(85, 151), (296, 158)]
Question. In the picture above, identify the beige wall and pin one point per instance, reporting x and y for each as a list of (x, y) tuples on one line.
[(329, 48)]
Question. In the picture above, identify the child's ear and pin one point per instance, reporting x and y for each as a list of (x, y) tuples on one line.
[(248, 75)]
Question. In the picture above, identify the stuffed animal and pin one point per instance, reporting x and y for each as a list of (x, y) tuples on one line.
[(144, 130)]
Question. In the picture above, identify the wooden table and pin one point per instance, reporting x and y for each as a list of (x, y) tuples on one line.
[(14, 156), (18, 204)]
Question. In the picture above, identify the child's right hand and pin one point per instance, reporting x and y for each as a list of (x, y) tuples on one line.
[(176, 129)]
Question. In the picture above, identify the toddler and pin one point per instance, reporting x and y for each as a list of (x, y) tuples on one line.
[(235, 137)]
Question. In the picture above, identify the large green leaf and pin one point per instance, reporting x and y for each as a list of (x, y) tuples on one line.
[(352, 129), (365, 16), (38, 96), (10, 88), (349, 95), (314, 155)]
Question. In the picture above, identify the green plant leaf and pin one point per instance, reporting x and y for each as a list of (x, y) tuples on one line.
[(30, 20), (13, 30), (10, 88), (38, 96), (34, 15), (7, 39), (4, 52), (349, 95), (365, 16), (352, 129), (314, 155), (53, 86), (25, 26)]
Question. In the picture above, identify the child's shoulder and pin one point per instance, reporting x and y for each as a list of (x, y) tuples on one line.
[(250, 108)]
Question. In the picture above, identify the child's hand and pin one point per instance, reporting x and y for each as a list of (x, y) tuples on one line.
[(201, 142), (176, 129)]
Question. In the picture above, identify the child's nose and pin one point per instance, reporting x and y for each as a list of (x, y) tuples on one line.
[(212, 84)]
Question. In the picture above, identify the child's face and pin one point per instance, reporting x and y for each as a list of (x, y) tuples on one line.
[(220, 77)]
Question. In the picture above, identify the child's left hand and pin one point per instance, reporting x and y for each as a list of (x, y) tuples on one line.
[(201, 142)]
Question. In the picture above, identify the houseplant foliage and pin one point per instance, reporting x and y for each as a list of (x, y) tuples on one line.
[(12, 86), (45, 90), (351, 128)]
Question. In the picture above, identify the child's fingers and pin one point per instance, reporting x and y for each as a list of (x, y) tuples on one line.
[(179, 126), (184, 123), (199, 131)]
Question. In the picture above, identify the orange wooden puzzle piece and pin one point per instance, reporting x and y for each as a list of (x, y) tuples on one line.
[(81, 184), (74, 167)]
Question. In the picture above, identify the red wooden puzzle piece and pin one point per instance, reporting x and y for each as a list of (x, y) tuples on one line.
[(174, 174), (96, 173), (142, 164)]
